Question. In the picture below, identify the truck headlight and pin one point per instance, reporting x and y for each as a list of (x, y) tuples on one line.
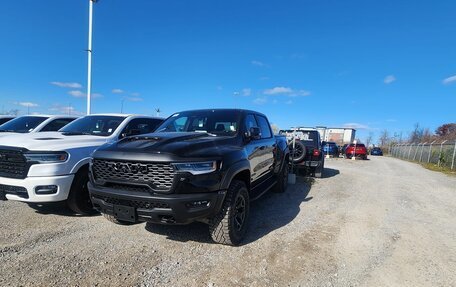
[(196, 168), (46, 157)]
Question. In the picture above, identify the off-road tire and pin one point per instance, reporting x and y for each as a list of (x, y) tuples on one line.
[(299, 153), (79, 198), (282, 180), (115, 220), (224, 227)]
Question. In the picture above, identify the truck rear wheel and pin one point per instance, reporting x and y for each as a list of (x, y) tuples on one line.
[(230, 224), (79, 199)]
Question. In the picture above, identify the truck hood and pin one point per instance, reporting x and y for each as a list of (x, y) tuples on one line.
[(52, 141), (179, 144)]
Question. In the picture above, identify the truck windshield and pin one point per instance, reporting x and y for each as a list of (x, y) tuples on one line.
[(214, 122), (93, 125), (23, 124)]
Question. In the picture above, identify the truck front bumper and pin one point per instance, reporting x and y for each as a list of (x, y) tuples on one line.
[(156, 208), (53, 188)]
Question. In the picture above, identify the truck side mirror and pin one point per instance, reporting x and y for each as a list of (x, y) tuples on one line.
[(253, 134)]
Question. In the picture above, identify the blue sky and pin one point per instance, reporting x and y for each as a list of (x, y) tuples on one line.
[(370, 64)]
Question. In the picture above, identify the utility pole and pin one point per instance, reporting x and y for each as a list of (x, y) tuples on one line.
[(89, 57)]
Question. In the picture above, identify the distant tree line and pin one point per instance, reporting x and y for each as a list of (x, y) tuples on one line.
[(419, 135)]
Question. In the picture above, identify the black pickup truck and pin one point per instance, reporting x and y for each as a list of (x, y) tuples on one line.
[(201, 165)]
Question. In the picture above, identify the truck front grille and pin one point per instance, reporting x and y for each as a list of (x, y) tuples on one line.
[(158, 176), (12, 164)]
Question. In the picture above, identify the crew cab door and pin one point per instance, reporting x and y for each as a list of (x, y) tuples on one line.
[(259, 151), (268, 143)]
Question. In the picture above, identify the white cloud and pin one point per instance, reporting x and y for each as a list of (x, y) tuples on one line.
[(71, 85), (117, 91), (246, 92), (135, 94), (449, 80), (258, 63), (260, 101), (275, 101), (357, 126), (264, 78), (300, 93), (79, 94), (278, 90), (286, 91), (389, 79), (26, 104), (133, 99), (65, 110), (289, 102)]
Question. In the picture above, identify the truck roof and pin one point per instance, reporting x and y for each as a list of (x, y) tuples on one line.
[(123, 115), (223, 109)]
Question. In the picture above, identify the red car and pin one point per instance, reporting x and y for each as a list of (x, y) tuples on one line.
[(360, 151)]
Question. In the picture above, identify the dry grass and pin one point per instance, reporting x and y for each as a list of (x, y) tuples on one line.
[(434, 167)]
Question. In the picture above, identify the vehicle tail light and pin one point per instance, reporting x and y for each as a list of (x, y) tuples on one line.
[(316, 152)]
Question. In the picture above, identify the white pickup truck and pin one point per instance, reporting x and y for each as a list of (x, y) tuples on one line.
[(53, 166), (35, 124)]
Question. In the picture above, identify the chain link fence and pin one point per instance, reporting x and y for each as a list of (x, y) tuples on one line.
[(440, 153)]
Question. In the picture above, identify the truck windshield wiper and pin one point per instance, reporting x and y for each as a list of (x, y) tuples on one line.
[(75, 133), (7, 131)]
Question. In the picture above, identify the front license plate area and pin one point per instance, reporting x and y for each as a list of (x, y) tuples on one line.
[(125, 213)]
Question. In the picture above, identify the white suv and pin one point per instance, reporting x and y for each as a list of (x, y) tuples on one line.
[(53, 166), (35, 124)]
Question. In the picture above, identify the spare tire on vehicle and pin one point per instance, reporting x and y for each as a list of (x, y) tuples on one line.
[(298, 153)]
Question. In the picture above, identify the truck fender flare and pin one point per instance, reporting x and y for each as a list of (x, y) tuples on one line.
[(79, 164), (234, 169)]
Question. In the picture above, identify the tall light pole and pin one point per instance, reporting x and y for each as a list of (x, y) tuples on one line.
[(89, 57), (121, 106)]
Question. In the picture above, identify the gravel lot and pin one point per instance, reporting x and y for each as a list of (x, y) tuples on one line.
[(381, 222)]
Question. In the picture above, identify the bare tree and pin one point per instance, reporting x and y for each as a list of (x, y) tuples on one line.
[(275, 128), (13, 112), (417, 134), (384, 139), (369, 139)]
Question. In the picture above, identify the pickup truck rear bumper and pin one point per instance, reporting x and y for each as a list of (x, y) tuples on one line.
[(156, 208), (309, 163)]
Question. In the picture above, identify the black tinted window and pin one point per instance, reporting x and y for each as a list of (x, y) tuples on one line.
[(264, 127), (250, 122), (141, 126), (309, 138), (24, 124), (4, 120), (56, 125)]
